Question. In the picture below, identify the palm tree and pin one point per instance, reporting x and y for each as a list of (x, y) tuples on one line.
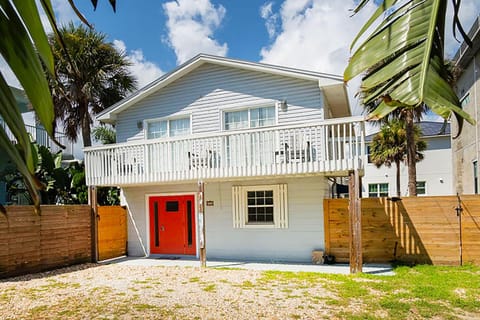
[(104, 134), (91, 76), (405, 68), (25, 48), (389, 146)]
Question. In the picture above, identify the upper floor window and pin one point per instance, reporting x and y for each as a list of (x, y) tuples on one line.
[(168, 128), (249, 118)]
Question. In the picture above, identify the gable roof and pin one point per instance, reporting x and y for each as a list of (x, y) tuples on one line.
[(332, 85), (429, 129)]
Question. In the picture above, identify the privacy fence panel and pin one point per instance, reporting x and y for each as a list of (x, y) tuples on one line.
[(112, 232), (410, 230), (59, 237)]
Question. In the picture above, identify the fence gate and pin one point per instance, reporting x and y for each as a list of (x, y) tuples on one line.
[(112, 232)]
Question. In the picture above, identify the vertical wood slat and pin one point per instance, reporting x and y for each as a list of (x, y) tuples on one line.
[(112, 232), (412, 230)]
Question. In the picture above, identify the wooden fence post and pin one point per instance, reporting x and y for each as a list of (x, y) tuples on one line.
[(92, 201), (355, 222), (201, 223)]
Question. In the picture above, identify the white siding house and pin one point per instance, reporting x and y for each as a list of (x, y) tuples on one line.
[(263, 139), (434, 172)]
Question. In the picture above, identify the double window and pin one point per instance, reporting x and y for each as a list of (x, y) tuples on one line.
[(164, 128), (376, 190), (260, 206), (249, 118)]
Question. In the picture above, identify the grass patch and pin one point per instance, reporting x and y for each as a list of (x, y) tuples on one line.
[(210, 288)]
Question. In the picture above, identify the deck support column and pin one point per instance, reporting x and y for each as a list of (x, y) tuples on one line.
[(355, 221), (93, 202), (201, 223)]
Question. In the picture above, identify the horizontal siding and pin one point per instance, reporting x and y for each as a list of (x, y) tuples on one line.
[(209, 89), (305, 230)]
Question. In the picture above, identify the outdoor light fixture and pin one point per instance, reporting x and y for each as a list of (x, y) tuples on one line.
[(282, 105), (140, 125)]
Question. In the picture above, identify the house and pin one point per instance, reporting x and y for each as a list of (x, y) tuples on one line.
[(466, 147), (434, 172), (36, 132), (247, 146)]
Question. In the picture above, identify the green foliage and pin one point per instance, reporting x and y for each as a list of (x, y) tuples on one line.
[(62, 185), (389, 146), (104, 134), (26, 50), (91, 77), (403, 58)]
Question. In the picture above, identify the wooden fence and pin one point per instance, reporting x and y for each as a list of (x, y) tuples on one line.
[(411, 230), (61, 236), (112, 232)]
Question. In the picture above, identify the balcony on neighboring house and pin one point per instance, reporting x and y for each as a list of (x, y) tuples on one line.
[(40, 136), (331, 148)]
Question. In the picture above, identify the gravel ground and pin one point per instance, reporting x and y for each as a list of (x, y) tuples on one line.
[(145, 292)]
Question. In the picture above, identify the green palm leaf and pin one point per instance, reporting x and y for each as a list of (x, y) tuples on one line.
[(403, 57)]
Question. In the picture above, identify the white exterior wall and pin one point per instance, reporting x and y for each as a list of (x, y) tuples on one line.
[(436, 165), (305, 231), (204, 92)]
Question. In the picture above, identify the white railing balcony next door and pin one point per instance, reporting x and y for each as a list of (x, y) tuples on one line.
[(331, 147)]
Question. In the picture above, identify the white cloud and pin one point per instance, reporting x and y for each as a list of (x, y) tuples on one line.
[(266, 12), (191, 25), (316, 35), (8, 74), (144, 70)]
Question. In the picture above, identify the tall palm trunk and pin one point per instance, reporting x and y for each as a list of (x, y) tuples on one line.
[(86, 134), (411, 153), (397, 163)]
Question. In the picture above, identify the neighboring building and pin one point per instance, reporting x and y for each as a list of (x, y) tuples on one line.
[(434, 172), (261, 137), (38, 134), (466, 147)]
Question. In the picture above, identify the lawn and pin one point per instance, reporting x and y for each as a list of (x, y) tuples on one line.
[(119, 292)]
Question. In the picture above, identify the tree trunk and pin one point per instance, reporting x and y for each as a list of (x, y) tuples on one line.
[(411, 154), (397, 163), (86, 135)]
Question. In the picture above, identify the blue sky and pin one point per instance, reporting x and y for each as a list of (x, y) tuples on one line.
[(159, 35)]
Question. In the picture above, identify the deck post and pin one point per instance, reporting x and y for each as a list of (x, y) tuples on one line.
[(201, 223), (93, 202), (355, 222)]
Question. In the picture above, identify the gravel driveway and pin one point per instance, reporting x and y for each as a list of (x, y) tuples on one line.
[(119, 291)]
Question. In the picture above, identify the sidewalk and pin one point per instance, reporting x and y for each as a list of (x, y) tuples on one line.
[(377, 269)]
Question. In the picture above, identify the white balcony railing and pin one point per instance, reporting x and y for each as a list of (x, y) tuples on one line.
[(40, 136), (329, 147)]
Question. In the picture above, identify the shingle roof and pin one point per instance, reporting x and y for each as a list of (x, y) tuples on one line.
[(429, 129)]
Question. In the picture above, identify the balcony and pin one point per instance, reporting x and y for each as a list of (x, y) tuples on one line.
[(40, 136), (331, 147)]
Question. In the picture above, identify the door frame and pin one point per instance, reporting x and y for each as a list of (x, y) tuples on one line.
[(147, 217)]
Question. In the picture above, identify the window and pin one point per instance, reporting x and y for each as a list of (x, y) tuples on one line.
[(376, 190), (475, 176), (249, 118), (168, 128), (421, 187), (260, 206)]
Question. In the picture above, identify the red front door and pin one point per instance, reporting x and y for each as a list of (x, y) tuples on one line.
[(172, 224)]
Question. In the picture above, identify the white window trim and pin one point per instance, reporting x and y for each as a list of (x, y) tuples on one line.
[(378, 192), (280, 207), (168, 118), (242, 108)]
